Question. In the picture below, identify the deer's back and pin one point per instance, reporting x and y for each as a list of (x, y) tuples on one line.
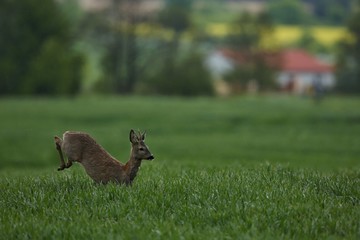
[(78, 145), (98, 163)]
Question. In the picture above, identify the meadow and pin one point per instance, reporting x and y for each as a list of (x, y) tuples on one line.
[(268, 167)]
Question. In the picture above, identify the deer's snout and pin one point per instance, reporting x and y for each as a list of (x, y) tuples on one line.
[(151, 157)]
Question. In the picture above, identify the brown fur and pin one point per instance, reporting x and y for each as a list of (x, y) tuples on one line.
[(99, 164)]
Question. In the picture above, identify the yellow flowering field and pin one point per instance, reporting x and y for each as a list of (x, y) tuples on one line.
[(285, 35)]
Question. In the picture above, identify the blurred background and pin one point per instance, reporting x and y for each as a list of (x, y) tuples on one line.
[(179, 47), (254, 81)]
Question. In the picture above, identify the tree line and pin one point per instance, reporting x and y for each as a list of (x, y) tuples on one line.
[(328, 12), (46, 48)]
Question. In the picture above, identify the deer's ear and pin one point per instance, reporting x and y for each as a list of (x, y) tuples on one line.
[(143, 135), (133, 138)]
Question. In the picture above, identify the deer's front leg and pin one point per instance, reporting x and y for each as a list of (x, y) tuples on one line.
[(58, 142)]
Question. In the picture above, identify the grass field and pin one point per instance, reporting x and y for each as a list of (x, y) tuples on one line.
[(251, 167)]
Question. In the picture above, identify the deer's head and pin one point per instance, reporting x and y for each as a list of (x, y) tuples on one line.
[(139, 150)]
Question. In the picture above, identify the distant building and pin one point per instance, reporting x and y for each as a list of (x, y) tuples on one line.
[(297, 70)]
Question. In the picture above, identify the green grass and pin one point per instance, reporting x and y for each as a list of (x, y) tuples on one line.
[(252, 167)]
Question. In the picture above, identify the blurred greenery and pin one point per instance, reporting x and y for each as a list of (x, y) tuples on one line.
[(348, 59), (246, 35), (54, 71), (186, 77), (61, 48), (332, 12), (288, 11), (36, 55)]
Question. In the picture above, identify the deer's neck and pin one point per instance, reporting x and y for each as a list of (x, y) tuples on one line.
[(132, 167)]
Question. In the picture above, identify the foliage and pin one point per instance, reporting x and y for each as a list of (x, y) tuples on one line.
[(212, 12), (113, 63), (248, 29), (54, 71), (246, 35), (117, 26), (187, 78), (175, 16), (332, 12), (348, 70), (255, 70), (289, 12), (177, 76), (134, 63), (299, 12), (32, 35), (310, 43), (328, 12), (240, 75), (210, 168)]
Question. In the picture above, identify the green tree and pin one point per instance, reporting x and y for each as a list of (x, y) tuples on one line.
[(288, 12), (309, 42), (348, 61), (175, 17), (53, 71), (334, 12), (181, 72), (189, 78), (247, 33), (114, 30), (29, 29), (248, 30)]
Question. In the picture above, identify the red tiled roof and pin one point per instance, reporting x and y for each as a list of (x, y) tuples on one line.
[(293, 60), (297, 60)]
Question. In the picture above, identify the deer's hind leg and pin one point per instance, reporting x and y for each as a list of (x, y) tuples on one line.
[(63, 165)]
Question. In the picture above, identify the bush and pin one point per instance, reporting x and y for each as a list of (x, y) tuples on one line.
[(54, 71), (36, 55), (188, 78)]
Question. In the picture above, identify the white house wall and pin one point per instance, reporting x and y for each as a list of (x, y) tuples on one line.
[(218, 65), (304, 80)]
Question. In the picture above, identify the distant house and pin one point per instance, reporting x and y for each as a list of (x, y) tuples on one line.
[(297, 70)]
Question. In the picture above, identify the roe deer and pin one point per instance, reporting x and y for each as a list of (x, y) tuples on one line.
[(99, 164)]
